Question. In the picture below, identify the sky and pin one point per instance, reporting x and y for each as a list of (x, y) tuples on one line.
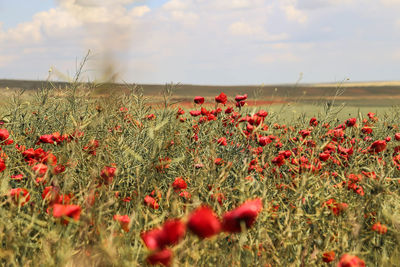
[(215, 42)]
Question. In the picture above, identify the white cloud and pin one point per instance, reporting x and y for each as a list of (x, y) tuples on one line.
[(241, 28), (292, 13), (54, 22), (182, 11), (110, 26), (139, 11), (177, 5), (238, 4), (105, 27), (92, 12), (94, 3), (313, 4), (24, 31), (390, 3)]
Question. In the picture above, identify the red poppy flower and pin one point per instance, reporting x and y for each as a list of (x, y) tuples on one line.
[(51, 194), (123, 109), (40, 169), (202, 120), (4, 134), (28, 154), (195, 113), (150, 117), (228, 110), (91, 147), (204, 111), (107, 174), (151, 202), (351, 122), (377, 146), (154, 239), (58, 169), (65, 199), (324, 156), (328, 256), (185, 194), (219, 161), (174, 230), (366, 129), (247, 213), (170, 234), (179, 184), (313, 121), (17, 177), (286, 153), (350, 261), (66, 211), (20, 196), (47, 139), (279, 160), (336, 208), (199, 100), (379, 228), (221, 98), (371, 115), (249, 128), (216, 111), (264, 140), (162, 257), (180, 112), (211, 117), (222, 141), (255, 120), (262, 113), (32, 156), (204, 223), (240, 97), (124, 221), (2, 165), (240, 104), (49, 158), (305, 133), (367, 139), (345, 151)]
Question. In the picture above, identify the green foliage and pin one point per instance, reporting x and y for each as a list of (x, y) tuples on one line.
[(294, 228)]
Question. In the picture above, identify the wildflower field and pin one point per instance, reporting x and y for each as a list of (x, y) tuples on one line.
[(114, 181)]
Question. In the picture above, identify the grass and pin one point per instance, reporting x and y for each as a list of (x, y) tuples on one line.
[(295, 227)]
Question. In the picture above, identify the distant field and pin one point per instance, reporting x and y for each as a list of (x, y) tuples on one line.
[(352, 94)]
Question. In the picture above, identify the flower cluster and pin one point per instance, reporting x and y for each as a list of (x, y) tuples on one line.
[(202, 222)]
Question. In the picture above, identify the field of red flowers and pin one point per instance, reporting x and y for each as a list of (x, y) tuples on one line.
[(116, 182)]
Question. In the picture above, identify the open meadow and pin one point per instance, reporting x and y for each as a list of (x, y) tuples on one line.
[(190, 177)]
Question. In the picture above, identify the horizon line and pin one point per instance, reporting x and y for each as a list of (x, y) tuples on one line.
[(316, 84)]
